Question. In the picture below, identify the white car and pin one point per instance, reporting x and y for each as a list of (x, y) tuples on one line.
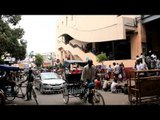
[(49, 82)]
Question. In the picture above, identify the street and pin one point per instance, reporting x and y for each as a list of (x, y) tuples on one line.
[(57, 99)]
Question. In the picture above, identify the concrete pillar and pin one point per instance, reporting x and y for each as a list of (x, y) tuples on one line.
[(136, 41), (93, 45)]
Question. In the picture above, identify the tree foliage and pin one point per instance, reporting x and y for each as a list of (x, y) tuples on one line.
[(39, 60), (10, 38), (101, 57)]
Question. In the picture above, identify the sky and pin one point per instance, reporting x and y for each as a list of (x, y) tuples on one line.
[(40, 32)]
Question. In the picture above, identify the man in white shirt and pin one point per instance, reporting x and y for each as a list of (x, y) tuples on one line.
[(106, 85), (89, 72), (116, 70), (88, 77), (114, 85)]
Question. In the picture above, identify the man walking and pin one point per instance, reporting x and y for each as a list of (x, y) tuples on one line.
[(30, 79)]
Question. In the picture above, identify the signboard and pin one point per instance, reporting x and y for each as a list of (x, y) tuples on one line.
[(23, 66)]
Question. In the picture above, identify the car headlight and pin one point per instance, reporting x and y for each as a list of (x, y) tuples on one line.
[(64, 83)]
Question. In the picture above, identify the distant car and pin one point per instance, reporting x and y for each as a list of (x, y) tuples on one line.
[(49, 82)]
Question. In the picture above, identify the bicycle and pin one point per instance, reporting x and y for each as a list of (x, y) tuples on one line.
[(18, 92)]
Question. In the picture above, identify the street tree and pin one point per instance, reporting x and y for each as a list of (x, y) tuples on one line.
[(39, 60), (101, 57), (10, 37)]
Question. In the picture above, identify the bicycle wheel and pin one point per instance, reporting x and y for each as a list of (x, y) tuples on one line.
[(65, 95), (2, 99), (98, 99), (34, 96), (10, 96)]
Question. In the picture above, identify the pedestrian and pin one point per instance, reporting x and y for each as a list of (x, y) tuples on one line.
[(115, 70), (109, 71), (30, 79)]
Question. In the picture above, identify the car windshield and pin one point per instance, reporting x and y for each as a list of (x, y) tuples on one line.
[(49, 76)]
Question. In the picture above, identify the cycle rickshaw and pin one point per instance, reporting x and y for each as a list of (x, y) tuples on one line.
[(6, 93), (74, 86)]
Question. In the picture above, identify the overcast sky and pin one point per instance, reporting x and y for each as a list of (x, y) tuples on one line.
[(40, 32)]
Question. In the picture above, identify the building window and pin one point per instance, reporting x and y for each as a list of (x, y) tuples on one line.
[(115, 50), (120, 48)]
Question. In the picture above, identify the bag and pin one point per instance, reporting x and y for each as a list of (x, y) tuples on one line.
[(120, 76)]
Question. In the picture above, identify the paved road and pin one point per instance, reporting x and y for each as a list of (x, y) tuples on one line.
[(57, 99)]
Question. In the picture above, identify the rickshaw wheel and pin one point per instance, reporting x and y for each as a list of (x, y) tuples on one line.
[(65, 95), (98, 99), (2, 99), (10, 96)]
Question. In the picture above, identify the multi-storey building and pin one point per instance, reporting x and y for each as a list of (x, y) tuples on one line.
[(121, 37)]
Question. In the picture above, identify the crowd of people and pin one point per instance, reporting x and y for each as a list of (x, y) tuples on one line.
[(147, 61), (105, 78), (114, 77)]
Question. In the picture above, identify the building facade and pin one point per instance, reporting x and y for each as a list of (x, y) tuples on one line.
[(120, 37), (151, 25), (49, 59)]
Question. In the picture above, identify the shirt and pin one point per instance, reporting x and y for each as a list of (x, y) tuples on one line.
[(109, 69), (30, 78), (113, 86), (116, 69), (105, 84), (88, 73)]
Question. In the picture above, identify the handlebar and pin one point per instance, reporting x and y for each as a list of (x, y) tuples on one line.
[(19, 85)]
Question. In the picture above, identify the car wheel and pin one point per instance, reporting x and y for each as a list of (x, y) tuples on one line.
[(41, 90)]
